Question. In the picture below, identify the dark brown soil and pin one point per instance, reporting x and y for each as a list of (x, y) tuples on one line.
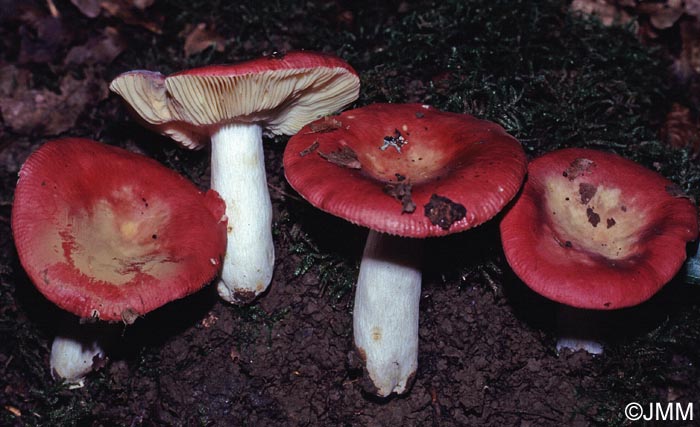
[(487, 343)]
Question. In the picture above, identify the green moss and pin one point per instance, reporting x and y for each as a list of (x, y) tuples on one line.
[(253, 322), (58, 406), (336, 273), (549, 78)]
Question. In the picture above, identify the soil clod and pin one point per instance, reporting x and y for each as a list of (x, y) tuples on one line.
[(587, 191), (577, 168), (401, 191), (443, 212), (593, 217)]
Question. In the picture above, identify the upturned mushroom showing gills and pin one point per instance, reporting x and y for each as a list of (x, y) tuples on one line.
[(595, 231), (232, 105), (107, 234), (405, 171)]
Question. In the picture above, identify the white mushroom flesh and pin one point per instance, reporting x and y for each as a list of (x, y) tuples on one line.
[(386, 314)]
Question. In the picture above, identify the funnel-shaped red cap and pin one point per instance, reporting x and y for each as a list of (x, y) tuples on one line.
[(594, 230), (406, 169), (103, 232)]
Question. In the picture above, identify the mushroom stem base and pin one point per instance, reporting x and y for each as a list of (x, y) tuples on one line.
[(74, 352), (579, 329), (692, 267), (385, 319), (238, 175)]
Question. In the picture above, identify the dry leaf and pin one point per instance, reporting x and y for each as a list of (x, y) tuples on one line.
[(129, 11), (687, 64), (201, 38), (692, 8), (690, 38), (401, 191), (98, 50), (344, 157), (11, 78), (125, 10), (13, 410), (89, 8), (92, 8), (42, 37), (310, 149), (680, 128), (142, 4), (329, 124), (663, 15), (53, 10), (43, 112), (608, 13)]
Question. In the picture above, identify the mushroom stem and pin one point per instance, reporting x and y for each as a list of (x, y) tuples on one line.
[(385, 319), (692, 266), (73, 353), (238, 175), (579, 329)]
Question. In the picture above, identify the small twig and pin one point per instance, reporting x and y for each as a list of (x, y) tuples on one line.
[(53, 9), (604, 143), (9, 360), (437, 413), (284, 193)]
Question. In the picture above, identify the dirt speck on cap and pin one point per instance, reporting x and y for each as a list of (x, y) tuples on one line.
[(328, 124), (577, 168), (443, 212), (129, 316), (593, 217), (587, 191), (308, 150), (344, 157), (401, 191)]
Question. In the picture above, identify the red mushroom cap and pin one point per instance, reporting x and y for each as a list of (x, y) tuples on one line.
[(103, 232), (283, 61), (594, 230), (406, 169)]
